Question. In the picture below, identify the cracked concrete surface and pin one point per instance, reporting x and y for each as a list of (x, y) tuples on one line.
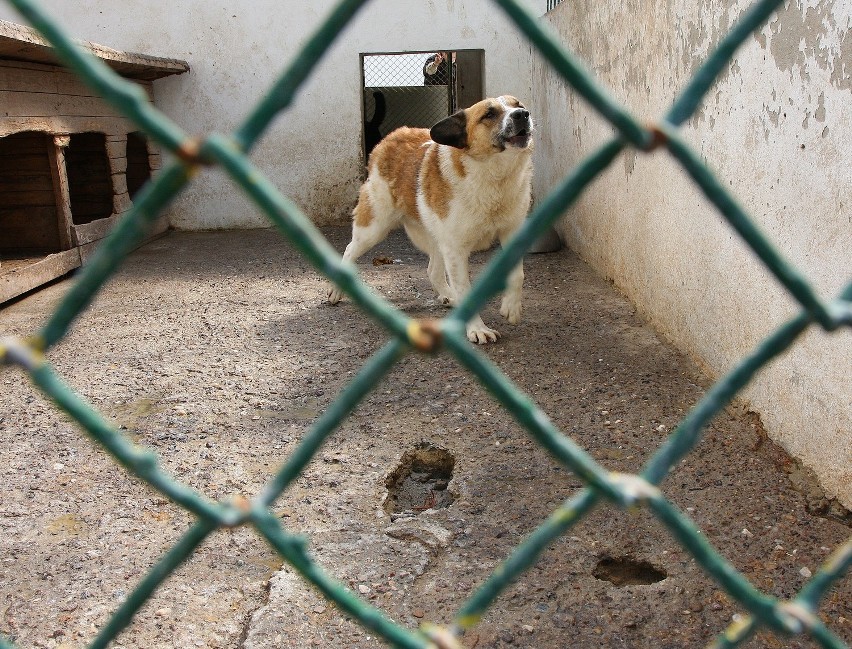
[(217, 351)]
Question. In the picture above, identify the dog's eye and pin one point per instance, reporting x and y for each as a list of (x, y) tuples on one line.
[(489, 114)]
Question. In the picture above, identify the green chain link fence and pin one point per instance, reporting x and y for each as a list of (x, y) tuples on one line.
[(796, 616)]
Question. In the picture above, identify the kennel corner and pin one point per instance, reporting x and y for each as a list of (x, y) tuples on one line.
[(69, 164)]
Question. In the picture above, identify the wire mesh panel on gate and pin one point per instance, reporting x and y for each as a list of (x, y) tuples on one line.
[(408, 89), (797, 615)]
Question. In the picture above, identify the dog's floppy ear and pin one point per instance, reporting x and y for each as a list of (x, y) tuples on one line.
[(451, 130)]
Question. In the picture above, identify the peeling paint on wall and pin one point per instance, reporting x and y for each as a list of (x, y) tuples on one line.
[(775, 130), (803, 36)]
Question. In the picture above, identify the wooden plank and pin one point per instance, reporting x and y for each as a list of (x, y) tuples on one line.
[(160, 227), (68, 83), (32, 228), (119, 183), (28, 164), (89, 232), (20, 260), (61, 192), (23, 43), (65, 124), (13, 151), (118, 165), (116, 147), (25, 198), (121, 202), (24, 183), (23, 143), (40, 78), (24, 77), (43, 79), (20, 278), (29, 104)]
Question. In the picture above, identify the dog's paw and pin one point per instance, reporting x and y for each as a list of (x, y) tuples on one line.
[(511, 310), (334, 295), (443, 300), (480, 334)]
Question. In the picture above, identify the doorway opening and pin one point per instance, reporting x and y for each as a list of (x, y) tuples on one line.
[(416, 89)]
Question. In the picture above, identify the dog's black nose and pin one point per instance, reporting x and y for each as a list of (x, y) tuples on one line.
[(520, 114)]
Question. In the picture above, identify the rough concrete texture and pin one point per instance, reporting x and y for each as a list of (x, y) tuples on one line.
[(217, 351)]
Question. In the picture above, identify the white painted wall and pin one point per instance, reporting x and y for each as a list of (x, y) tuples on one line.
[(237, 49), (776, 128)]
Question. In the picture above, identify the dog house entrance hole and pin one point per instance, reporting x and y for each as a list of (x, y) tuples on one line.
[(89, 178), (420, 481), (411, 89), (29, 223), (138, 165)]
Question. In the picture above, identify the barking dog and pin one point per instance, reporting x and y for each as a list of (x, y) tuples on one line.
[(455, 189)]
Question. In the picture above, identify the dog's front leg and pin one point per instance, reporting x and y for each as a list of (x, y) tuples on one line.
[(510, 308), (458, 274), (478, 332)]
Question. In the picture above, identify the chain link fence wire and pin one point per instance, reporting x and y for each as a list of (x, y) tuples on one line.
[(798, 615)]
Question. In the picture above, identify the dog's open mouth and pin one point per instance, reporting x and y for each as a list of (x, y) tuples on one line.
[(520, 139)]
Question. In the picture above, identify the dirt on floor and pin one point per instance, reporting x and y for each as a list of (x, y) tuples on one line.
[(218, 351)]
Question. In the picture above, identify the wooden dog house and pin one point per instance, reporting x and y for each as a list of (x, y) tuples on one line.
[(69, 164)]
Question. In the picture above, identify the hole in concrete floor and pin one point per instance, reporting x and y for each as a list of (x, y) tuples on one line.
[(625, 571), (420, 480)]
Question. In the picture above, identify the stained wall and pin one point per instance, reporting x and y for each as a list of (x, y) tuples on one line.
[(775, 128)]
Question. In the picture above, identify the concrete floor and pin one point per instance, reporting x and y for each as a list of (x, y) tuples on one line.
[(218, 351)]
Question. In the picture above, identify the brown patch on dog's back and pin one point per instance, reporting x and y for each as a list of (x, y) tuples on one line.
[(436, 190), (398, 158)]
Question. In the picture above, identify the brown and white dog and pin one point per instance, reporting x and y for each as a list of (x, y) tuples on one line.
[(455, 189)]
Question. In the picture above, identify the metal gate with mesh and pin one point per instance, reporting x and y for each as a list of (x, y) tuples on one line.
[(416, 89)]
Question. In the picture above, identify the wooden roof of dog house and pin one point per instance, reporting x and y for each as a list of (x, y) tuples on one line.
[(21, 43)]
